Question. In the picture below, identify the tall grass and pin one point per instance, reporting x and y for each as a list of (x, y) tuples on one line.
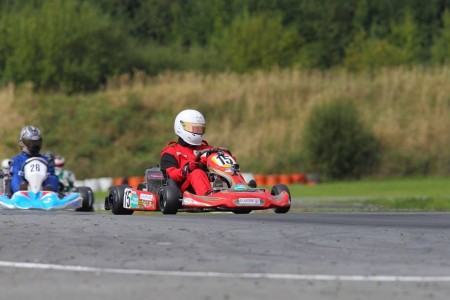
[(261, 115), (10, 119)]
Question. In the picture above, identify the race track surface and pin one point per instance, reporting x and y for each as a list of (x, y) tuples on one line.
[(70, 255)]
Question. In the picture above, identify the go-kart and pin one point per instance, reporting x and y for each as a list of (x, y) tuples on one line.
[(230, 192), (34, 171)]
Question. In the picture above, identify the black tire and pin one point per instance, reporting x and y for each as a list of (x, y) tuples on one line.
[(141, 186), (115, 199), (252, 183), (276, 190), (242, 211), (7, 186), (169, 198), (88, 198), (2, 182)]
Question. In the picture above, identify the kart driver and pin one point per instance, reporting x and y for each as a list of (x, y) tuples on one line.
[(66, 177), (178, 158), (6, 163), (4, 177), (30, 141)]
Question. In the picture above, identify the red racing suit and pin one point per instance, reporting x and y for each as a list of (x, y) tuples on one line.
[(174, 159)]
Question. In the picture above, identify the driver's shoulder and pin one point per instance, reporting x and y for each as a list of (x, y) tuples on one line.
[(169, 146), (204, 145), (20, 158)]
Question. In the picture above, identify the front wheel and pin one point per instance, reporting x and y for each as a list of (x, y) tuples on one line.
[(115, 200), (169, 198), (88, 198), (277, 190)]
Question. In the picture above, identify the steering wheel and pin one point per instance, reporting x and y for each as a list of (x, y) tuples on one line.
[(209, 151)]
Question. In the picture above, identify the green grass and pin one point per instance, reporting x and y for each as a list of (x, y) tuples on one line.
[(398, 194), (403, 187), (402, 194)]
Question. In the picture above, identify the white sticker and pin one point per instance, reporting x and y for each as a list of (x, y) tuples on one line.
[(249, 201), (148, 197)]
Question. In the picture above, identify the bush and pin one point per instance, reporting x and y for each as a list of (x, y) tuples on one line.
[(337, 144)]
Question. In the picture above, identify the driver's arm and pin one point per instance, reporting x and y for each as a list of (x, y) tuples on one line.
[(15, 177), (170, 166)]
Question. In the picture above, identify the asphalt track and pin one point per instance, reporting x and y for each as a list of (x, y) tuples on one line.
[(70, 255)]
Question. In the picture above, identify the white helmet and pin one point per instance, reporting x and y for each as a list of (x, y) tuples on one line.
[(190, 126), (5, 163)]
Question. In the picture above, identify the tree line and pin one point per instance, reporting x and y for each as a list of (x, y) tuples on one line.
[(76, 45)]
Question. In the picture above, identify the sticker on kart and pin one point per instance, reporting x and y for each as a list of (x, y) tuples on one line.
[(249, 202), (138, 200)]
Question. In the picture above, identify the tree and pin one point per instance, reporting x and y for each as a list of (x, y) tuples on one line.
[(58, 44), (400, 46), (440, 50), (258, 41)]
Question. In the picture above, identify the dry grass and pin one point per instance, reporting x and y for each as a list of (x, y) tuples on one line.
[(256, 114), (10, 120), (262, 115)]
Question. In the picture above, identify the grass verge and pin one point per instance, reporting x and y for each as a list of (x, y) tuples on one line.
[(398, 194)]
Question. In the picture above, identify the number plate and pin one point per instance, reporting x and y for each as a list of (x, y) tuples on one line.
[(249, 201)]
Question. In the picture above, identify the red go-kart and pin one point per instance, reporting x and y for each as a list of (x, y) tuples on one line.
[(230, 191)]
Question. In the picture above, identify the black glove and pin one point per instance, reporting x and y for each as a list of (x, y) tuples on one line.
[(189, 167)]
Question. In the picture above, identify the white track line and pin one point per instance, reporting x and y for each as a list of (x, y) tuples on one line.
[(362, 278)]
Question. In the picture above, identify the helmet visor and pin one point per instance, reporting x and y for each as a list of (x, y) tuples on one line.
[(34, 146), (195, 128)]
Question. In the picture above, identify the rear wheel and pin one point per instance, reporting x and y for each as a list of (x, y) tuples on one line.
[(7, 186), (115, 200), (142, 186), (277, 190), (88, 198), (169, 198)]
